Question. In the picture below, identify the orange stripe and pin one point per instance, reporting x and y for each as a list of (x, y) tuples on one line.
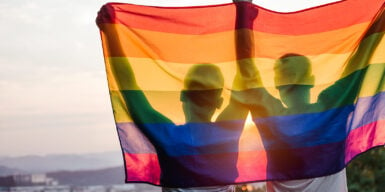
[(326, 69), (220, 18), (220, 47)]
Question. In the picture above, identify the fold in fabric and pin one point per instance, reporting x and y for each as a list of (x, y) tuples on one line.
[(234, 93)]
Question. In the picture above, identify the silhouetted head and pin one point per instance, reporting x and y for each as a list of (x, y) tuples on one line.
[(294, 79), (202, 92)]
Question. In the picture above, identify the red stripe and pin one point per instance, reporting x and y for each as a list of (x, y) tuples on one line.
[(364, 138), (221, 18), (142, 168), (252, 165)]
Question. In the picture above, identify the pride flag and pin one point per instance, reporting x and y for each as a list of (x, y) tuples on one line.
[(232, 93)]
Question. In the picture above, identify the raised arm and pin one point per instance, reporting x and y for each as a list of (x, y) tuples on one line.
[(119, 64), (345, 90), (368, 44), (246, 72), (137, 104)]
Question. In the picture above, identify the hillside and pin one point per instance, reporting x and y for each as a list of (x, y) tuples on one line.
[(109, 176), (64, 162)]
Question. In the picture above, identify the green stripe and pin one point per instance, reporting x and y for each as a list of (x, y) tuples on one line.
[(342, 93)]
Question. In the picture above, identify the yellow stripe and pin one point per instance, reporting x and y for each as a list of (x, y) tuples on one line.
[(166, 76), (168, 102), (379, 53), (374, 81), (119, 107)]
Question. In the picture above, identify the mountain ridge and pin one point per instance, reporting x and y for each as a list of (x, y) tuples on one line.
[(59, 162)]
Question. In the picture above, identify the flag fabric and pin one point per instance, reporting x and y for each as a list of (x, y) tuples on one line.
[(234, 93)]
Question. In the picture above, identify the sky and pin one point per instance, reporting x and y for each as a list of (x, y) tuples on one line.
[(54, 95)]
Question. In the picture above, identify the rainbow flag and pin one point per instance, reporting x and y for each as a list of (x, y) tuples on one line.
[(232, 93)]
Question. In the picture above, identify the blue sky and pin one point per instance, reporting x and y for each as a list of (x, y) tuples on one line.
[(54, 96)]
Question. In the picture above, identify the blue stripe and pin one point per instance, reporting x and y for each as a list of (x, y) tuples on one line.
[(279, 132)]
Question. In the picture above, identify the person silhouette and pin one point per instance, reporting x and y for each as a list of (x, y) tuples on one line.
[(186, 153), (282, 136)]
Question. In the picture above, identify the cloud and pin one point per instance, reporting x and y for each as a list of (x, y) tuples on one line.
[(54, 96), (52, 79)]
